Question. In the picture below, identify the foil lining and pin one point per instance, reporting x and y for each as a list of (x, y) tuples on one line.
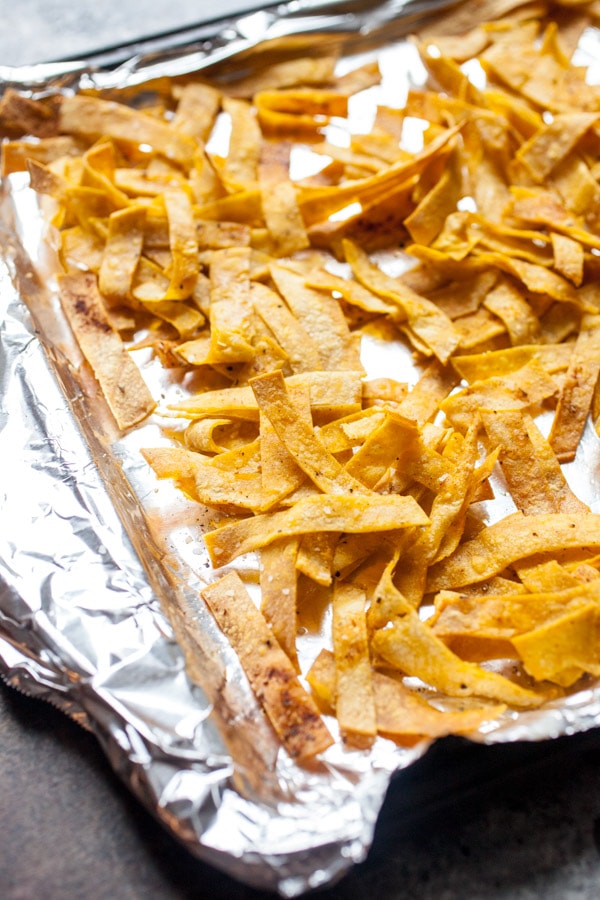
[(97, 618)]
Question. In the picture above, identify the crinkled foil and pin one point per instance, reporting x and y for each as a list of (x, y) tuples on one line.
[(99, 610)]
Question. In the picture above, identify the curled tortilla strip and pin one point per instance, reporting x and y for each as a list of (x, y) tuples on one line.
[(357, 514), (511, 539), (273, 678)]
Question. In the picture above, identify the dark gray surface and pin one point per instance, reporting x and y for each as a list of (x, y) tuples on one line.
[(466, 822)]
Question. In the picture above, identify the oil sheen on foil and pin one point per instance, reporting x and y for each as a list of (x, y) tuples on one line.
[(100, 570)]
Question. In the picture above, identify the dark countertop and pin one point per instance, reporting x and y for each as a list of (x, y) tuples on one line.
[(465, 822)]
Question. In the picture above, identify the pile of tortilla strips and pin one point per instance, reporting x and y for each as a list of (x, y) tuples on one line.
[(367, 499)]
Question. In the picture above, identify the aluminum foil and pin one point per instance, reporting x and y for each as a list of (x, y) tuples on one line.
[(99, 577)]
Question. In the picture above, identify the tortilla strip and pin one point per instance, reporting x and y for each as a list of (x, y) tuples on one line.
[(570, 642), (532, 471), (299, 347), (511, 539), (506, 615), (290, 709), (278, 589), (399, 710), (121, 253), (322, 317), (548, 147), (357, 514), (213, 484), (577, 393), (332, 394), (431, 325), (299, 438), (93, 117), (123, 387), (355, 700), (410, 645)]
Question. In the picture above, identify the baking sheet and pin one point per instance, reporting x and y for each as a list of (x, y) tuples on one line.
[(196, 752)]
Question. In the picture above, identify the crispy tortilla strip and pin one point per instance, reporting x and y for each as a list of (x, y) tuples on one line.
[(231, 311), (299, 347), (283, 219), (350, 431), (318, 203), (427, 219), (239, 169), (46, 151), (275, 124), (20, 115), (567, 646), (532, 471), (399, 710), (511, 539), (197, 107), (99, 171), (280, 472), (357, 514), (83, 203), (243, 207), (550, 575), (577, 392), (185, 319), (81, 250), (480, 366), (429, 323), (535, 278), (352, 292), (121, 382), (121, 253), (568, 257), (510, 305), (451, 499), (579, 191), (504, 616), (322, 317), (218, 435), (218, 487), (378, 223), (306, 101), (545, 208), (523, 388), (183, 244), (477, 488), (92, 117), (332, 395), (355, 699), (422, 401), (298, 436), (279, 588), (388, 445), (409, 644), (290, 709), (315, 556), (546, 149)]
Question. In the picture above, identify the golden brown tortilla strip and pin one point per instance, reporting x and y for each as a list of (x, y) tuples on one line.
[(290, 709), (122, 385), (511, 539)]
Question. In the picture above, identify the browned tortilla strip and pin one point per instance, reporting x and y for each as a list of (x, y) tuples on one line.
[(123, 387), (290, 709), (93, 117), (512, 538)]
